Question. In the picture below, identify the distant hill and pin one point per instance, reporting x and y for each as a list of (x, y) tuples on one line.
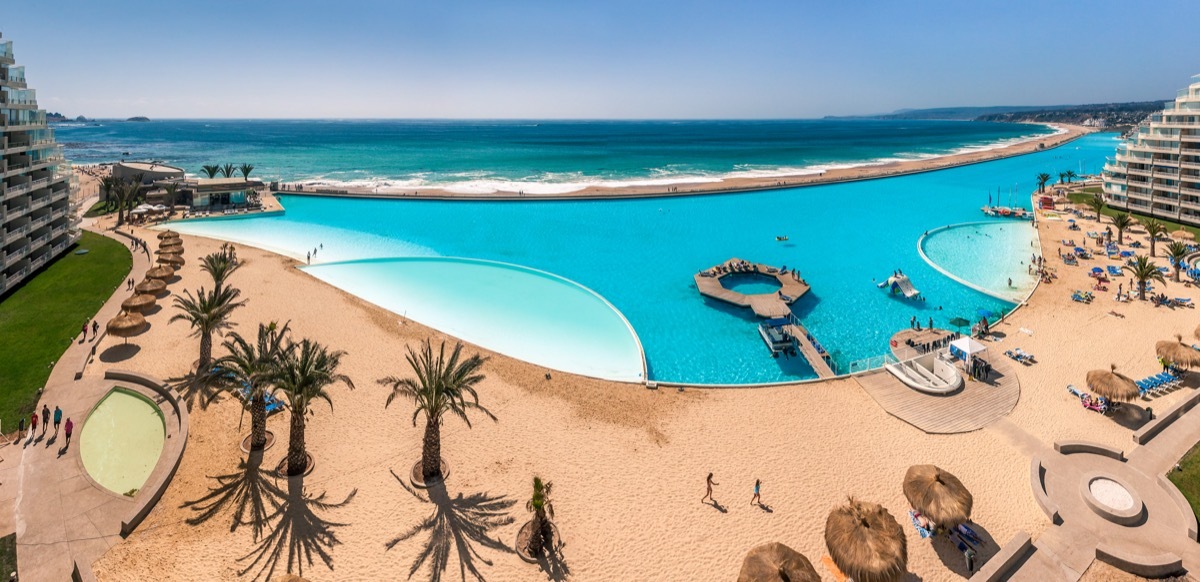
[(138, 118), (1110, 114)]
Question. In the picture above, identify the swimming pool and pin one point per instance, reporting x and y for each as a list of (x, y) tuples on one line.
[(971, 252), (641, 255), (121, 440), (520, 312)]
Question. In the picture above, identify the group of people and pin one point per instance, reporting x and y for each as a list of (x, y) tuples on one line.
[(137, 244), (709, 483), (962, 536), (95, 330), (45, 418), (308, 259), (933, 345)]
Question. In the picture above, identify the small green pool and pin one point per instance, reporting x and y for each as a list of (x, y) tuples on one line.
[(122, 440)]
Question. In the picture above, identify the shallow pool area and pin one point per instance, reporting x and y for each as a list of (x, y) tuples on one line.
[(987, 255), (640, 255), (750, 284), (121, 440), (527, 314)]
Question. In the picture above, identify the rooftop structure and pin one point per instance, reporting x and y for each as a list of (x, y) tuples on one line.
[(148, 171), (37, 221), (1156, 172), (214, 193)]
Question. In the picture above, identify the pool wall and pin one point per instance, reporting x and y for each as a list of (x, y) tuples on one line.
[(964, 282), (175, 422)]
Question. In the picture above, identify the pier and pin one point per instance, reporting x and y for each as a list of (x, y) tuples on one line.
[(768, 305)]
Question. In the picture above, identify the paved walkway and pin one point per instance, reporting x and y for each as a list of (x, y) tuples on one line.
[(60, 515), (977, 405)]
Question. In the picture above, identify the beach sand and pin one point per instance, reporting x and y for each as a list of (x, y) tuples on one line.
[(628, 464), (740, 184)]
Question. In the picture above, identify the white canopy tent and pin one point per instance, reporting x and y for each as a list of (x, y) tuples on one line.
[(965, 348)]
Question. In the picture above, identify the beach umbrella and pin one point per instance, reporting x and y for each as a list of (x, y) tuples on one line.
[(960, 322), (1197, 332), (161, 273), (1183, 234), (169, 243), (175, 261), (985, 313), (167, 234), (775, 562), (1177, 352), (126, 325), (151, 287), (866, 542), (1111, 385), (139, 303), (938, 495), (169, 251)]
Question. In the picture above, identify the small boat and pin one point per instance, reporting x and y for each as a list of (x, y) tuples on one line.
[(781, 238)]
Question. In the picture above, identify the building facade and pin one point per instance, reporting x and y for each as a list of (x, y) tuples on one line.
[(1156, 172), (37, 219)]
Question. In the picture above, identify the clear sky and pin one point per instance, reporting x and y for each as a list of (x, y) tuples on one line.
[(595, 59)]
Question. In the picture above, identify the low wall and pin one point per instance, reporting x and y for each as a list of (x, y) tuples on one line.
[(88, 353), (1159, 566), (1152, 428), (1072, 447), (1039, 492), (176, 441), (1007, 560)]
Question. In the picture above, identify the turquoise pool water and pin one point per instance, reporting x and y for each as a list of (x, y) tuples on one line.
[(986, 255), (641, 255), (121, 440), (750, 284), (527, 314)]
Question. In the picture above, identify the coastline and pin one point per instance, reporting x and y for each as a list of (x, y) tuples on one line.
[(734, 185)]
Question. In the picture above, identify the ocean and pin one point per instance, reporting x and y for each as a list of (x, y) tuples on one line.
[(538, 157)]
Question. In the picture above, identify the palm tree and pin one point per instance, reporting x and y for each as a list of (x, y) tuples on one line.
[(108, 189), (207, 312), (171, 190), (1122, 221), (250, 369), (1041, 180), (1096, 204), (1062, 176), (227, 170), (305, 371), (542, 509), (245, 169), (125, 192), (1071, 175), (440, 386), (211, 170), (1155, 229), (1176, 252), (1143, 270), (219, 266)]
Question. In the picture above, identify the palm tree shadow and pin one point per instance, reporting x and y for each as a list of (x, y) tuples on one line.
[(253, 497), (195, 388), (299, 530), (554, 564), (462, 522)]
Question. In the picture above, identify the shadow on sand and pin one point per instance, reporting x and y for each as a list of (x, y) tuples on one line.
[(119, 353), (284, 522), (195, 388), (461, 522), (953, 558)]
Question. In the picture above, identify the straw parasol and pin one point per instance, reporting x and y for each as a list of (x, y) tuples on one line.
[(866, 542), (151, 287), (166, 234), (170, 244), (1183, 234), (1111, 385), (126, 325), (775, 562), (938, 495), (162, 273), (139, 303), (1197, 332), (170, 251), (1177, 352), (175, 261)]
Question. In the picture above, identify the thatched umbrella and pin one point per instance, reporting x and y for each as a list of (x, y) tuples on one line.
[(1177, 352), (938, 495), (1111, 385), (171, 246), (775, 562), (162, 273), (151, 287), (126, 325), (139, 303), (175, 261), (169, 251), (1183, 234), (166, 234), (1197, 332), (866, 542)]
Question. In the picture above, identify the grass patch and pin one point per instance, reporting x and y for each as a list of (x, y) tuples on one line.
[(8, 553), (40, 319), (1083, 197), (1188, 480), (99, 209)]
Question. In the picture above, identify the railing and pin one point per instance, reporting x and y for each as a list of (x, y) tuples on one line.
[(871, 363)]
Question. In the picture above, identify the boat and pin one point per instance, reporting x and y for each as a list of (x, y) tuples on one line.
[(773, 334), (929, 373), (900, 284), (1005, 212), (781, 238)]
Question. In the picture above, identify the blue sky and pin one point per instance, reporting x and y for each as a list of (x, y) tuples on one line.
[(600, 59)]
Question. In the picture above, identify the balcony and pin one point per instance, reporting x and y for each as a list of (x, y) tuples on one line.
[(15, 233)]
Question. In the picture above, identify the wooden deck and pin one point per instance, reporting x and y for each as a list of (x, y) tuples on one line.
[(900, 348), (810, 351), (764, 305), (977, 405)]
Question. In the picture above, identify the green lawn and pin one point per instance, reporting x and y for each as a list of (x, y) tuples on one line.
[(98, 209), (40, 319), (8, 553), (1188, 480), (1082, 198)]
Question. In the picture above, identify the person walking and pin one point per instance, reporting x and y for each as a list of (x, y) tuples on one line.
[(57, 419), (68, 428), (32, 423), (95, 329), (84, 331), (709, 483), (45, 418), (757, 489)]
